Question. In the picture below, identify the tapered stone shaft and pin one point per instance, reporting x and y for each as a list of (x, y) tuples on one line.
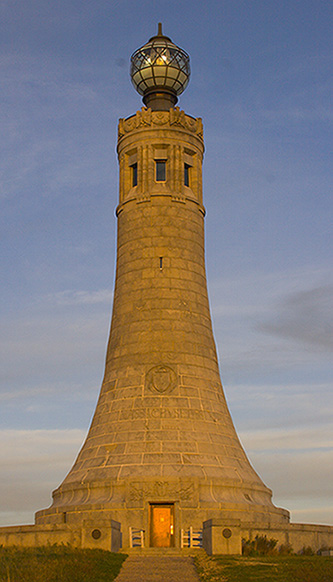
[(162, 432)]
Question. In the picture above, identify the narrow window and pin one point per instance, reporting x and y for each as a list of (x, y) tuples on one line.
[(186, 174), (161, 263), (134, 174), (160, 171)]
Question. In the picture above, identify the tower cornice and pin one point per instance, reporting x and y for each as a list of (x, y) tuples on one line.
[(172, 118)]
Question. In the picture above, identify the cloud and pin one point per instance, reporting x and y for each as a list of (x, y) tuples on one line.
[(292, 439), (52, 340), (304, 316), (26, 393), (46, 147), (304, 99), (33, 463), (297, 463), (72, 297), (24, 448), (68, 322), (290, 306), (52, 356), (300, 475), (281, 406)]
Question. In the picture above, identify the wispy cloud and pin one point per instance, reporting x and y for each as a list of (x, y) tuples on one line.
[(305, 98), (33, 463), (305, 316), (296, 474), (297, 463), (71, 297), (22, 447), (290, 439), (272, 319), (283, 406), (25, 393), (56, 345), (41, 127)]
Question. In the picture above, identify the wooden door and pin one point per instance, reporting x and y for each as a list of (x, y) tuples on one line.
[(161, 526)]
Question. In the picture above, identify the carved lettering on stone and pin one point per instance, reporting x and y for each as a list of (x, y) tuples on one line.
[(172, 412), (160, 490)]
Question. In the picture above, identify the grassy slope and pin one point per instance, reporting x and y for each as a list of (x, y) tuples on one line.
[(58, 564), (64, 564), (265, 569)]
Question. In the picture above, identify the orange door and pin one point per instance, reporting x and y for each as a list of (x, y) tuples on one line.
[(161, 526)]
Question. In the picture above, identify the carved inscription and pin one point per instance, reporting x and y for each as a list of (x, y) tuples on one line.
[(160, 490), (184, 413)]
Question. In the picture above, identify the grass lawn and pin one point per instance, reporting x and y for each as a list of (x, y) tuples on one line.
[(265, 569), (58, 564)]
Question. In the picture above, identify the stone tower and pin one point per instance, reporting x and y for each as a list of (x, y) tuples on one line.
[(162, 447)]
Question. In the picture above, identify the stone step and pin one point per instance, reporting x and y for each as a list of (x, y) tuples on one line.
[(158, 568), (167, 552)]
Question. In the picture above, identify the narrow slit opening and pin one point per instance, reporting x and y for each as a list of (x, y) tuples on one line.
[(134, 174), (161, 263)]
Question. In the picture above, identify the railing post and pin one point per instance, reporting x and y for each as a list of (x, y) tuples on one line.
[(191, 537), (130, 537)]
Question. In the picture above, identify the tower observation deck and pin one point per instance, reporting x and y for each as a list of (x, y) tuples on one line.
[(162, 441)]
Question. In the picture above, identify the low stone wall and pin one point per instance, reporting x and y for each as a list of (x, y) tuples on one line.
[(107, 536), (298, 535), (224, 536), (220, 536)]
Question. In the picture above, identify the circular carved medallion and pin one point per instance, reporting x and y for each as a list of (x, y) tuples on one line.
[(96, 534), (161, 379), (227, 533)]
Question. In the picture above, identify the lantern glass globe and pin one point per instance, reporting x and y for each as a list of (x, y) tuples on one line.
[(160, 66)]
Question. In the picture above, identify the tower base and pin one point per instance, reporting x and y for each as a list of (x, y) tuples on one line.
[(187, 502)]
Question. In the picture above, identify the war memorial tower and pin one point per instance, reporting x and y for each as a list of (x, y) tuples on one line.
[(162, 448), (162, 454)]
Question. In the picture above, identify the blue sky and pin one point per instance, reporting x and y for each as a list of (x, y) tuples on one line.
[(262, 82)]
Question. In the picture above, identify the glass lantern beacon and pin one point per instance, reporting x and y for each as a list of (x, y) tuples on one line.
[(160, 71)]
